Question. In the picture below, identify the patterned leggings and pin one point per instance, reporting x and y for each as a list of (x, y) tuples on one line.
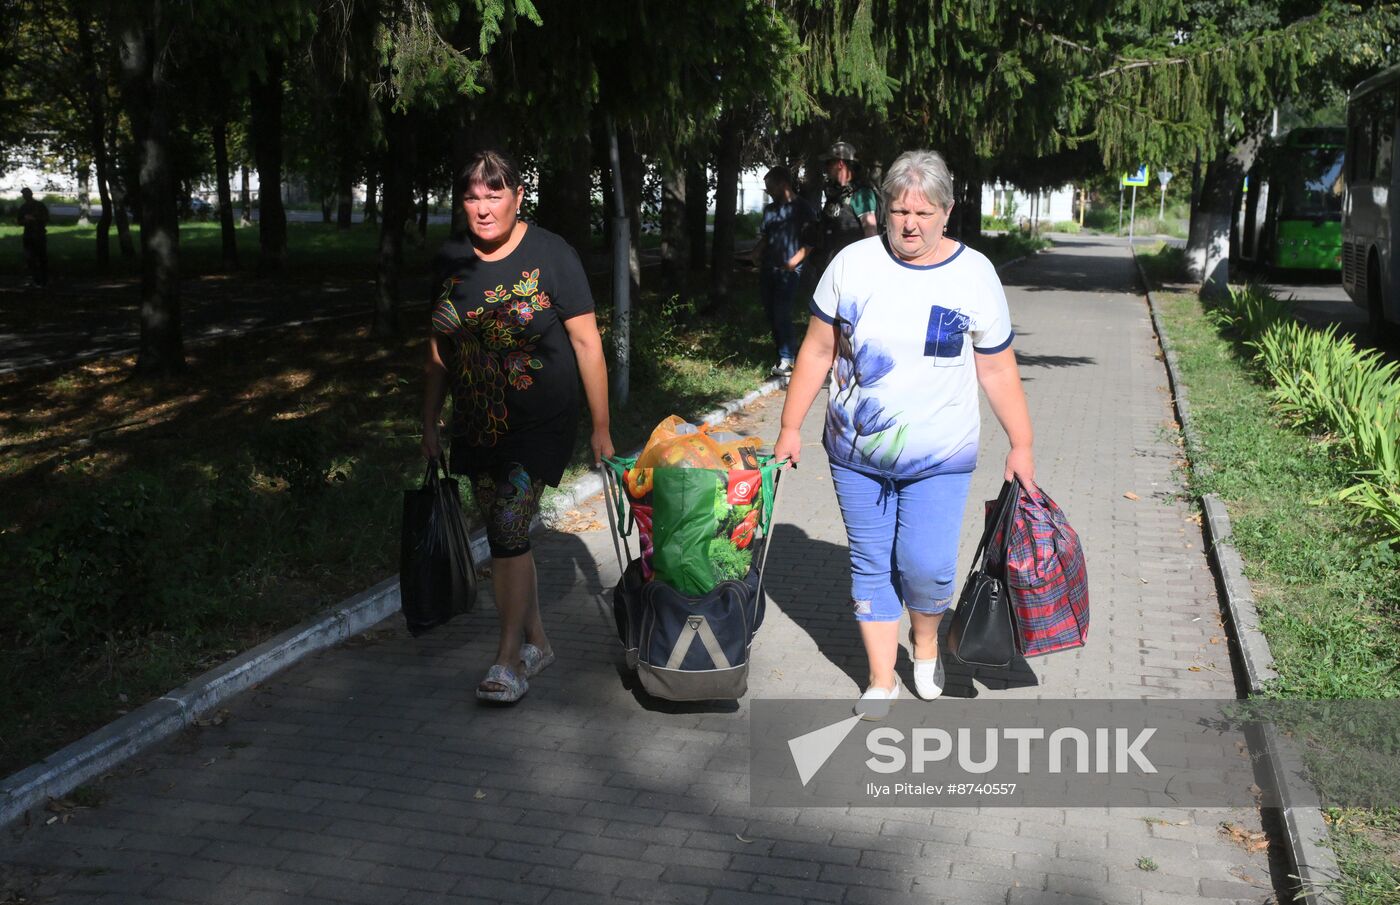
[(507, 499)]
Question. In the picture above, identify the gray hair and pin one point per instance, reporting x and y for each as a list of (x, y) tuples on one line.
[(924, 172)]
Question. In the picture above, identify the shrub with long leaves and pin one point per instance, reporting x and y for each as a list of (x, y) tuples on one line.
[(1324, 383), (1249, 310)]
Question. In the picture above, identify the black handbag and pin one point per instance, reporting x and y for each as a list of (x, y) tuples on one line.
[(982, 633), (437, 578)]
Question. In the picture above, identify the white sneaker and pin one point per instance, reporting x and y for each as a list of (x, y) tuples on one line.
[(875, 703), (929, 678), (783, 368)]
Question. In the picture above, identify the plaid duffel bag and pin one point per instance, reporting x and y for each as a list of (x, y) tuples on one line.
[(1045, 575)]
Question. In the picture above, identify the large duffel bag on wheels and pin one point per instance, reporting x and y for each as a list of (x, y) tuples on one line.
[(687, 647)]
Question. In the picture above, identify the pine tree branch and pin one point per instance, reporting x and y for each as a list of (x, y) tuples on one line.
[(1061, 39)]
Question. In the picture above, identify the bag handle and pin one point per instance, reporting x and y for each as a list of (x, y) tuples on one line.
[(770, 502), (1005, 506), (431, 477), (612, 494)]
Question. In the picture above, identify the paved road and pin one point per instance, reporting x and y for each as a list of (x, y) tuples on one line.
[(1321, 301), (369, 774)]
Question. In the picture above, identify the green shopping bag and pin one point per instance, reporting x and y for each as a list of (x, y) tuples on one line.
[(688, 505)]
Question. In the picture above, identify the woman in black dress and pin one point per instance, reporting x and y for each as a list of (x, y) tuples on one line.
[(513, 331)]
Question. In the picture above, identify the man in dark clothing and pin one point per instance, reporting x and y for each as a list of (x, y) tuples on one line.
[(849, 214), (784, 242), (34, 217)]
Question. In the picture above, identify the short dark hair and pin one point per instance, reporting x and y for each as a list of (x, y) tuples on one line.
[(779, 174), (492, 169), (26, 191)]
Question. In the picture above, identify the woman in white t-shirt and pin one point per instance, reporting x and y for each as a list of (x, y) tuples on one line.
[(914, 323)]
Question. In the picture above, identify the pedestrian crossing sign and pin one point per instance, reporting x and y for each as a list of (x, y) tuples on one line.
[(1139, 178)]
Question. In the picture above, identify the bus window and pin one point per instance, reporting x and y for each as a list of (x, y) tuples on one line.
[(1383, 126), (1311, 184), (1359, 153)]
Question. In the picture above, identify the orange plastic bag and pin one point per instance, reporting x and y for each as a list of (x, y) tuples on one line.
[(684, 451)]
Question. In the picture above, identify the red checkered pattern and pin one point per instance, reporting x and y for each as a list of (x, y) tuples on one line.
[(1045, 573)]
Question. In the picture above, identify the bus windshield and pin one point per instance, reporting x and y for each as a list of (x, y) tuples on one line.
[(1312, 185)]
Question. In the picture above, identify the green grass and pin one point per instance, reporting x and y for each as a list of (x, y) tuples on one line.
[(1011, 245), (1326, 593), (1164, 263), (314, 250), (1103, 217)]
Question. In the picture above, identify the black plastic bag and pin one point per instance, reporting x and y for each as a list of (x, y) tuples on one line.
[(437, 578)]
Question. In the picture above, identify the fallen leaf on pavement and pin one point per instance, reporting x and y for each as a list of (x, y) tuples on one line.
[(218, 718), (61, 806), (1249, 840)]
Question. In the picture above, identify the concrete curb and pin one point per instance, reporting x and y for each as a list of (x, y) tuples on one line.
[(102, 750), (1305, 832)]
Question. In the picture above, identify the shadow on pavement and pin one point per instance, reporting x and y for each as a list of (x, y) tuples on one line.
[(827, 620)]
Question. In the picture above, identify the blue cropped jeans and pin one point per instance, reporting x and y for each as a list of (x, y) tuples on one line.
[(903, 539)]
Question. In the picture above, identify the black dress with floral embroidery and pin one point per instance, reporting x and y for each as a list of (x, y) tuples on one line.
[(511, 367)]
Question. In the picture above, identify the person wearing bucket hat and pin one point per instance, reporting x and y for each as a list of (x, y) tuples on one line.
[(850, 211)]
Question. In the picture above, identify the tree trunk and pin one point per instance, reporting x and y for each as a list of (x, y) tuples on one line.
[(633, 179), (423, 208), (104, 220), (124, 240), (345, 197), (398, 167), (674, 242), (145, 78), (97, 130), (697, 211), (221, 185), (266, 97), (566, 189), (726, 210), (1208, 246), (622, 298), (969, 210), (84, 195), (371, 193)]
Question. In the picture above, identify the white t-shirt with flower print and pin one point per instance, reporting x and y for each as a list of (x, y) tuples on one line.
[(903, 402)]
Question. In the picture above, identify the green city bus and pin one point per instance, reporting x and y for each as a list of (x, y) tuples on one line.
[(1300, 188)]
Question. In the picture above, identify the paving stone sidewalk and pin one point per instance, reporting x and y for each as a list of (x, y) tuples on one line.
[(369, 774)]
